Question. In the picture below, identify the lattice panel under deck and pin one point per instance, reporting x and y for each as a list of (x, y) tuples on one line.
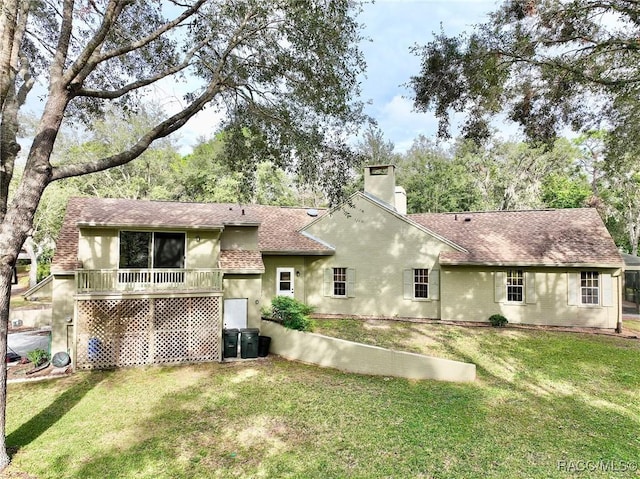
[(131, 332)]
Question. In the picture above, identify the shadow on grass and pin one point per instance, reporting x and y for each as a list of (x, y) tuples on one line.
[(41, 422)]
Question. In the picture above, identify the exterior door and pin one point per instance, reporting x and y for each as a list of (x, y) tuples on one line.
[(235, 313), (284, 282)]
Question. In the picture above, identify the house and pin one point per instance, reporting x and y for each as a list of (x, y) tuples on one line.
[(138, 282)]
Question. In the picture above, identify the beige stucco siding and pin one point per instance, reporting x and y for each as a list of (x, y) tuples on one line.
[(469, 294), (269, 281), (249, 287), (98, 248), (203, 249), (379, 246), (62, 313), (240, 237)]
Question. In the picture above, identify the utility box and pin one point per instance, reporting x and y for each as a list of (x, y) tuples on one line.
[(249, 342), (230, 338)]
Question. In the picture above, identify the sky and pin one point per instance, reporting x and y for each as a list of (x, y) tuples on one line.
[(392, 28)]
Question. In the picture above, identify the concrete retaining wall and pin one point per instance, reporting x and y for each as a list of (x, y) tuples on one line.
[(361, 358), (30, 318)]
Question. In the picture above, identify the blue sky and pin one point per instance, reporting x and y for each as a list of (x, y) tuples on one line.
[(394, 26)]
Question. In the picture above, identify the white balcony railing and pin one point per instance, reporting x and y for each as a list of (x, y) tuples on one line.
[(151, 280)]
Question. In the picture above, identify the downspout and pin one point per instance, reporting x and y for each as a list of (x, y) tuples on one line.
[(620, 293)]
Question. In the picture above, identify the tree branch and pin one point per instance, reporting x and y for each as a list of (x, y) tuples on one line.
[(112, 12), (64, 39), (143, 82), (160, 131)]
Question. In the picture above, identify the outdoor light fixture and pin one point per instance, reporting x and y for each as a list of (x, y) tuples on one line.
[(298, 274)]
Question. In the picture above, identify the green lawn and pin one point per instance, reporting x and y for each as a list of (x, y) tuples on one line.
[(545, 404)]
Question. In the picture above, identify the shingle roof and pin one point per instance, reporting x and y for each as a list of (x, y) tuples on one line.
[(125, 212), (241, 261), (66, 255), (277, 232), (537, 237)]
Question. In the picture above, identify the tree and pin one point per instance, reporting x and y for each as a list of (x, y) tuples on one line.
[(435, 181), (545, 63), (144, 178), (285, 69), (511, 176)]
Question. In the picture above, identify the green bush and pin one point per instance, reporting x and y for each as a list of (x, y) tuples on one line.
[(497, 320), (292, 313), (38, 357), (44, 270)]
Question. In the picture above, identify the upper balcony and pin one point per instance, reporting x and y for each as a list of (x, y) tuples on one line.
[(167, 280)]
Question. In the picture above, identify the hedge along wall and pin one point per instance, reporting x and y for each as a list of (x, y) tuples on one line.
[(361, 358)]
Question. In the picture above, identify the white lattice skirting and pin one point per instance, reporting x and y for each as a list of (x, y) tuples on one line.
[(138, 331)]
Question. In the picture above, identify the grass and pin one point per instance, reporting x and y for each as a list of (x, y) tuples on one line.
[(631, 325), (541, 399)]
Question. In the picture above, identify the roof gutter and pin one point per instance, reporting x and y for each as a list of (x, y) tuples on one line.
[(446, 262)]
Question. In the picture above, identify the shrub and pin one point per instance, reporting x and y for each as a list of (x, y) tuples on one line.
[(292, 313), (38, 357), (497, 320), (44, 270)]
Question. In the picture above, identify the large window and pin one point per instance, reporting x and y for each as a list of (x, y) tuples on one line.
[(339, 281), (143, 249), (590, 287), (146, 250), (515, 286), (421, 283)]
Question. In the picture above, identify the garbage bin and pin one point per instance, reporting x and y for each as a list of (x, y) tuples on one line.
[(249, 343), (230, 343), (263, 346)]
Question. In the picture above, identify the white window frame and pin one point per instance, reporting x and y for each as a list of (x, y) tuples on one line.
[(330, 282), (590, 288), (423, 274), (432, 283), (515, 280), (341, 273)]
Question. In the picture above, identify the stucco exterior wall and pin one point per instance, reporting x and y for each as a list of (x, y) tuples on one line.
[(99, 248), (362, 358), (249, 287), (269, 279), (203, 249), (468, 294), (379, 246), (62, 313), (240, 237), (36, 317)]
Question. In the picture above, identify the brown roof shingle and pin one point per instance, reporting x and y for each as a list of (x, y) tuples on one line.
[(277, 233), (241, 260), (537, 237)]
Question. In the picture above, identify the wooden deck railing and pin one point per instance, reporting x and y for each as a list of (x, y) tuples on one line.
[(152, 280)]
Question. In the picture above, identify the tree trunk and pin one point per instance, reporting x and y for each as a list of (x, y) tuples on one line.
[(33, 269), (6, 274)]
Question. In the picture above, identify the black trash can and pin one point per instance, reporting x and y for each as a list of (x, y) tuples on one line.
[(249, 343), (263, 346), (230, 338)]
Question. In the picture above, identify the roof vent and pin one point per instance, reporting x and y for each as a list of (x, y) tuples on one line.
[(312, 212), (467, 220)]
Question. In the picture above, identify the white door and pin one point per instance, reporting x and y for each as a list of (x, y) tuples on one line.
[(284, 282), (235, 313)]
